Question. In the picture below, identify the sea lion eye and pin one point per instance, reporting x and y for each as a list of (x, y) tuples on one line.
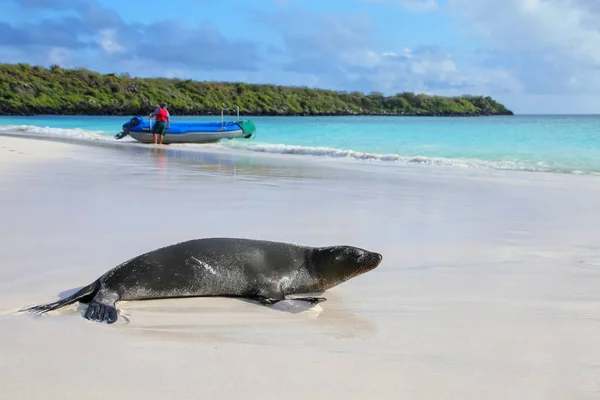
[(358, 253)]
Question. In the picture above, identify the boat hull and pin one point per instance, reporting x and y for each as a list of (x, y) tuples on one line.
[(189, 132), (188, 137)]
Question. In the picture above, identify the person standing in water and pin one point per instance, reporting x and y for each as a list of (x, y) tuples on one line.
[(163, 122)]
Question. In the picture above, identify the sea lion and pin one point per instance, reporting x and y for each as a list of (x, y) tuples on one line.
[(260, 270)]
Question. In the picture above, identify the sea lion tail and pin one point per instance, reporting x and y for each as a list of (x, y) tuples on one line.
[(83, 294)]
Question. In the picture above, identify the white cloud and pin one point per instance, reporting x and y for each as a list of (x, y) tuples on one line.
[(556, 38), (545, 52), (361, 58), (411, 5), (419, 5), (108, 41), (441, 67), (58, 56)]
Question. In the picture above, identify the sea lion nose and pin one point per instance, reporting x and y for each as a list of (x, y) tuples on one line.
[(374, 258)]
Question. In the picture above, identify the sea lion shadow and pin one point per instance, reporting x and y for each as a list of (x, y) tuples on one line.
[(335, 320), (67, 293), (290, 306), (340, 323)]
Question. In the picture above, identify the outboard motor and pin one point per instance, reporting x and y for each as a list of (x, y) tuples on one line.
[(133, 122)]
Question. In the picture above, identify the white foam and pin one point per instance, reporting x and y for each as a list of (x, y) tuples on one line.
[(396, 158), (71, 133)]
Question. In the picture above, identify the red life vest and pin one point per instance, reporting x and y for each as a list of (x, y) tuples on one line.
[(162, 115)]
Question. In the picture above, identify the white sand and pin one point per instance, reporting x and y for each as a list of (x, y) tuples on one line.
[(15, 152), (489, 288)]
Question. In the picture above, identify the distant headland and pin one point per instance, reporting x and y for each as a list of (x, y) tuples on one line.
[(35, 90)]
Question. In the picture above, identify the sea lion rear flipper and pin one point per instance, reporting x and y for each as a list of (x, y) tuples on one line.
[(83, 295), (102, 308), (101, 312)]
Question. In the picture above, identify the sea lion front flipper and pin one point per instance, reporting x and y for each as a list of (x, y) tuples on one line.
[(269, 298), (102, 308), (311, 300)]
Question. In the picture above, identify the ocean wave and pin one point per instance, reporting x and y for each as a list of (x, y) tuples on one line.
[(330, 152), (59, 133)]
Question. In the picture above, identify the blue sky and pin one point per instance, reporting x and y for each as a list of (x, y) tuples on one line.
[(535, 56)]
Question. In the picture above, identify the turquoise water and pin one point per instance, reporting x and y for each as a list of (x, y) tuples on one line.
[(567, 144)]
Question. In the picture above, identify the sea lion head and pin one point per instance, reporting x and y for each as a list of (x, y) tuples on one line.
[(337, 264)]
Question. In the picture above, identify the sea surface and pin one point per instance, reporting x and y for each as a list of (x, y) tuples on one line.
[(558, 144)]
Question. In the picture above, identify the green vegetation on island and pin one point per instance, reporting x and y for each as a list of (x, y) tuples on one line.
[(30, 90)]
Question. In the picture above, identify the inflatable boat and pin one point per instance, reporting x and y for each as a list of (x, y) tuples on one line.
[(189, 132)]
